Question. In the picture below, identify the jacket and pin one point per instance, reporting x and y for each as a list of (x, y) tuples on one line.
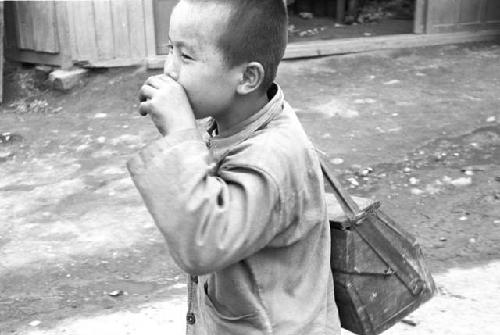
[(243, 212)]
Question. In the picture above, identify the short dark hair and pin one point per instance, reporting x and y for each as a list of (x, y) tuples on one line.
[(257, 31)]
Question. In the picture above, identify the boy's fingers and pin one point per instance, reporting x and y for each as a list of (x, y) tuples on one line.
[(145, 108), (146, 92), (157, 81), (150, 81)]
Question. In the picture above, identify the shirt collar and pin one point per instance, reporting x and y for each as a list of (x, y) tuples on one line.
[(245, 128)]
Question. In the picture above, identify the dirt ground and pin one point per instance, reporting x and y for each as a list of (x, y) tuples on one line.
[(417, 129)]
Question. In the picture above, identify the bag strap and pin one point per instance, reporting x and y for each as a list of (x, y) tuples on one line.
[(349, 206), (395, 259), (375, 239)]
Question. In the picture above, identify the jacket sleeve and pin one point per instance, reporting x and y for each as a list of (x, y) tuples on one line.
[(208, 222)]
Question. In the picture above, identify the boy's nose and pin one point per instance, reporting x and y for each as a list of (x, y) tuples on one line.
[(170, 68)]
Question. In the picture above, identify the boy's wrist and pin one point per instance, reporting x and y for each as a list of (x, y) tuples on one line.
[(181, 126), (161, 148), (175, 137)]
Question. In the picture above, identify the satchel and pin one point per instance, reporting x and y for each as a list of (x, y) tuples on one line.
[(378, 268)]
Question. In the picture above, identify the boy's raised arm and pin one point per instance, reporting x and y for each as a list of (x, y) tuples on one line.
[(209, 222)]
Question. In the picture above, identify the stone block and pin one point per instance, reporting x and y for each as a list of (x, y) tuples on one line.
[(65, 80)]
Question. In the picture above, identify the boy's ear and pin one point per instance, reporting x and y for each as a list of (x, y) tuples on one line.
[(252, 78)]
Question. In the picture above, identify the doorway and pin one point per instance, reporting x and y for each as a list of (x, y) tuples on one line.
[(313, 20)]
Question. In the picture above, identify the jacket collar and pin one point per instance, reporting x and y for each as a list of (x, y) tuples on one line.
[(247, 127)]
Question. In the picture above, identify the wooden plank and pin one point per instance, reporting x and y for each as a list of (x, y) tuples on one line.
[(104, 29), (25, 32), (461, 15), (137, 34), (87, 35), (83, 30), (64, 58), (29, 56), (115, 62), (470, 12), (44, 23), (149, 26), (443, 15), (121, 44), (354, 45), (420, 22), (72, 32), (162, 11)]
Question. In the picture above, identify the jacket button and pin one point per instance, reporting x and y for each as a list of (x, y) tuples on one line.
[(194, 279), (190, 318)]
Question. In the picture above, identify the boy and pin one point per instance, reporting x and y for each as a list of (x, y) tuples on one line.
[(243, 214)]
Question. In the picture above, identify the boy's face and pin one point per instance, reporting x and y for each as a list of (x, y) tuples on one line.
[(196, 60)]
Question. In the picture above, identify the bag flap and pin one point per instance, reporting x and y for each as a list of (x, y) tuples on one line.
[(336, 213)]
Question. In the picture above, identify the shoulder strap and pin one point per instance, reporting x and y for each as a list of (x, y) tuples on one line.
[(395, 259), (350, 207)]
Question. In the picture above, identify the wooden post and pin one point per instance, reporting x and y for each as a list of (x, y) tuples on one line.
[(420, 21), (340, 10), (65, 54), (149, 28)]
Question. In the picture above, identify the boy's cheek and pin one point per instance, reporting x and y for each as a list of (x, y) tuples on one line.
[(186, 85)]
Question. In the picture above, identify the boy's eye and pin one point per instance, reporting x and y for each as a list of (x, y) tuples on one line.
[(186, 56)]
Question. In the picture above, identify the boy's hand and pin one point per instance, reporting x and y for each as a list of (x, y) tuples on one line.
[(167, 103)]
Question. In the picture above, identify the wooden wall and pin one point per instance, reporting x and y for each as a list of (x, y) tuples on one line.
[(462, 15), (96, 33), (37, 26), (162, 11), (131, 32), (109, 31)]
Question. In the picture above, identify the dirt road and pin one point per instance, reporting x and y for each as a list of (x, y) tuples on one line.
[(416, 129), (468, 303)]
